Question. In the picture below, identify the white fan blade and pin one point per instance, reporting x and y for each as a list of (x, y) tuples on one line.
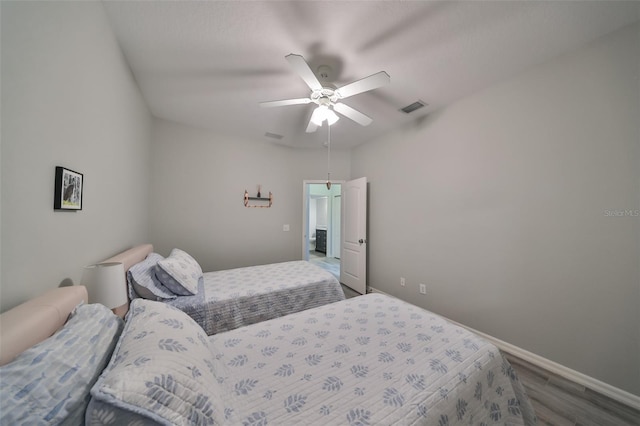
[(285, 102), (368, 83), (353, 114), (302, 68)]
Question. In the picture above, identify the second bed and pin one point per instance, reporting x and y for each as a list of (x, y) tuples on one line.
[(228, 299), (233, 298)]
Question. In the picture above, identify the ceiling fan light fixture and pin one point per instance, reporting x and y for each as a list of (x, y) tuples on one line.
[(324, 113), (332, 117), (317, 117)]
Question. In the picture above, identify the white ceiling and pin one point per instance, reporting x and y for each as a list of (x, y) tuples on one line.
[(209, 64)]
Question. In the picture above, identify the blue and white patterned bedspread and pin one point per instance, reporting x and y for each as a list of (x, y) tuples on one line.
[(369, 360), (233, 298)]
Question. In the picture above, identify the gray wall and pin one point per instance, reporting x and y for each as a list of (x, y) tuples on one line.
[(198, 181), (68, 99), (499, 204)]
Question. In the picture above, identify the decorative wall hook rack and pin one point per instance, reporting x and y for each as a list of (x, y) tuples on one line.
[(262, 202)]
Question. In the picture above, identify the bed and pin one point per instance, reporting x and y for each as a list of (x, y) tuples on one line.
[(232, 298), (368, 360), (228, 299)]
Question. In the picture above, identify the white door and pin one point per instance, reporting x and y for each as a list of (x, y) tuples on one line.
[(353, 271)]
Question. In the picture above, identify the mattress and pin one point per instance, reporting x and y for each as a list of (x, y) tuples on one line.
[(232, 298), (368, 360)]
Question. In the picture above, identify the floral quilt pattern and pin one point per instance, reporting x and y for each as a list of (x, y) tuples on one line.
[(364, 361)]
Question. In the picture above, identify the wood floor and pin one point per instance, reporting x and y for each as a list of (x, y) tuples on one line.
[(331, 264), (349, 293), (556, 400)]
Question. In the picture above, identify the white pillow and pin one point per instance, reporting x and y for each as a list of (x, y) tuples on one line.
[(179, 273), (162, 369)]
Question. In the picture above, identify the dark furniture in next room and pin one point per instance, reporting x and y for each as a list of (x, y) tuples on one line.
[(321, 240)]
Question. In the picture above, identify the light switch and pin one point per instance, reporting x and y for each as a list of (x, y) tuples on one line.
[(285, 228)]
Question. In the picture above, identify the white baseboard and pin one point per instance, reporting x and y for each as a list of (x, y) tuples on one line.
[(595, 385), (375, 290)]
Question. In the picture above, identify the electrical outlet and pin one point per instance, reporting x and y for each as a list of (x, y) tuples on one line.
[(423, 289), (402, 281)]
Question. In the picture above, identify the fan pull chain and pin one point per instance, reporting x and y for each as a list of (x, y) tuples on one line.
[(329, 156)]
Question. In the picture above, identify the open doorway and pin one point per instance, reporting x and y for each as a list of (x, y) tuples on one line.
[(322, 227)]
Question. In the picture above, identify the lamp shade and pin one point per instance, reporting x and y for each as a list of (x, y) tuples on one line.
[(105, 284)]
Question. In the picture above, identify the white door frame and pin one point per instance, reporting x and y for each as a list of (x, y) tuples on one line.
[(305, 212)]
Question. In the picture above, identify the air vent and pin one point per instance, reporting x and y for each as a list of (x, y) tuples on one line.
[(273, 135), (414, 106)]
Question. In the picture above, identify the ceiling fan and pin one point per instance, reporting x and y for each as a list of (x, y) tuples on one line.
[(328, 97)]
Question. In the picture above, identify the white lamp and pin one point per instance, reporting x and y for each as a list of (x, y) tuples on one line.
[(105, 284)]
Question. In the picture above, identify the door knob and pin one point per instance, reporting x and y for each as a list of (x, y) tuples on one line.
[(361, 241)]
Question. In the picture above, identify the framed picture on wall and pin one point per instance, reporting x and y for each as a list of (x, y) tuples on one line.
[(68, 190)]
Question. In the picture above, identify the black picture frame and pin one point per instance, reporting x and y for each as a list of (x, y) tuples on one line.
[(67, 194)]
